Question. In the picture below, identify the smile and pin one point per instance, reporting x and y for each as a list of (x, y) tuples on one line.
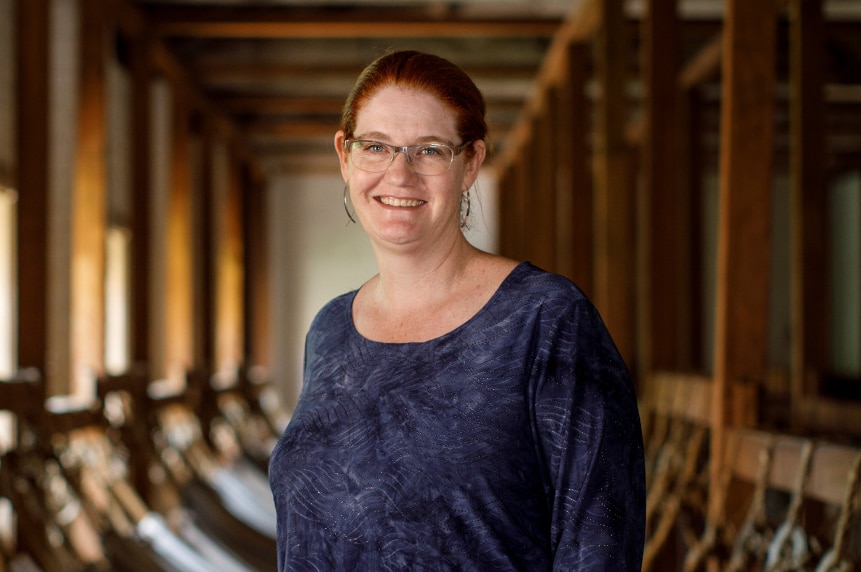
[(393, 202)]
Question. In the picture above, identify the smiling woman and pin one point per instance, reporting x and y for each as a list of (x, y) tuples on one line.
[(460, 410)]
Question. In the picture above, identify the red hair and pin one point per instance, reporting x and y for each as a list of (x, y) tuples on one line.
[(426, 73)]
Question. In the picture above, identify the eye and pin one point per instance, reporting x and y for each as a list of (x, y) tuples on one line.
[(431, 151), (374, 147)]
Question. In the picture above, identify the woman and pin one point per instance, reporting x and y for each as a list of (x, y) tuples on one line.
[(460, 411)]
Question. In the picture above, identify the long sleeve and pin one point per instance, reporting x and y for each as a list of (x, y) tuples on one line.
[(590, 438)]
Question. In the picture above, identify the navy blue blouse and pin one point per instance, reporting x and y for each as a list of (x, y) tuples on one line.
[(511, 443)]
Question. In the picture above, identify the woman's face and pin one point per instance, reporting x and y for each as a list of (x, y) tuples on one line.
[(399, 207)]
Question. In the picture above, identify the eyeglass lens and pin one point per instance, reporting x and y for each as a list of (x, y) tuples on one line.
[(425, 158)]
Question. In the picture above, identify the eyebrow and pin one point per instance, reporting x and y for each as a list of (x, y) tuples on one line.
[(383, 138)]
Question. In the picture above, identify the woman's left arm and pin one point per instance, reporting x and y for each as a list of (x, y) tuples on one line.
[(592, 446)]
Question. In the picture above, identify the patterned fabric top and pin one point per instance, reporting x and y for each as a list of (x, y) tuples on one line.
[(511, 443)]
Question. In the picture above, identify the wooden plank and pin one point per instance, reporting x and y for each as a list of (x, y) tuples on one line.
[(744, 217), (32, 141), (89, 204), (660, 230), (809, 203), (830, 464), (681, 395), (613, 204)]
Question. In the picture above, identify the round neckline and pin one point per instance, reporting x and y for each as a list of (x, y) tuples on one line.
[(520, 267)]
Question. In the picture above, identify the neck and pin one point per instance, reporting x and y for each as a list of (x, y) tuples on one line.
[(407, 277)]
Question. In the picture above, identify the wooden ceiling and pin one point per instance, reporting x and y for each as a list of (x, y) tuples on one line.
[(281, 69)]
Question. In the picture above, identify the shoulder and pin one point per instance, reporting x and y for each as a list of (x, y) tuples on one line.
[(529, 282), (333, 316)]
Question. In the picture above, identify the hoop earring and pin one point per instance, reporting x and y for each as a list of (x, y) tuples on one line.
[(346, 208), (464, 211)]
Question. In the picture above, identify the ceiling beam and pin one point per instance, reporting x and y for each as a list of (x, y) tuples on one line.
[(341, 22)]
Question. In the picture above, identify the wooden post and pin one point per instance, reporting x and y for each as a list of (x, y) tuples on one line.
[(141, 181), (574, 154), (660, 239), (178, 335), (614, 209), (231, 264), (809, 203), (541, 194), (256, 289), (206, 285), (33, 20), (744, 220), (89, 204), (33, 25)]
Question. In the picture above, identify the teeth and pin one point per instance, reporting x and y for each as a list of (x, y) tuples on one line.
[(393, 202)]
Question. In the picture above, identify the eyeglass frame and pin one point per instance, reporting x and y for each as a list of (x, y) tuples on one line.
[(395, 149)]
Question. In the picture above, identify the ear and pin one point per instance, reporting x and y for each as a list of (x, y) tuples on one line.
[(474, 162), (343, 156)]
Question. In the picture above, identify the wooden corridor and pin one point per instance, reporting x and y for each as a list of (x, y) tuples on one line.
[(648, 166)]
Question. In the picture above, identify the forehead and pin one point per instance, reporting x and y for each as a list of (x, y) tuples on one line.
[(405, 114)]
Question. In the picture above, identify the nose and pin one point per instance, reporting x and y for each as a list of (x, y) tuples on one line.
[(406, 153), (401, 171)]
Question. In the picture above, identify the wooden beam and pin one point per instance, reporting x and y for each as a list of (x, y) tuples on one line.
[(809, 203), (89, 204), (219, 70), (573, 134), (340, 22), (230, 265), (541, 206), (614, 203), (178, 336), (33, 22), (140, 162), (258, 273), (206, 252), (660, 236), (578, 28), (704, 66), (744, 225)]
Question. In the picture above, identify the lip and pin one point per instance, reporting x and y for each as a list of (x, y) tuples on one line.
[(398, 202)]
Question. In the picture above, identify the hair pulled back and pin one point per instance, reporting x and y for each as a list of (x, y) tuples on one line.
[(425, 73)]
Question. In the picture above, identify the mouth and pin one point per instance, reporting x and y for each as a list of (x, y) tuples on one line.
[(402, 203)]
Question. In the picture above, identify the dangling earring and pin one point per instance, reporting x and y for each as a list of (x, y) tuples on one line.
[(346, 208), (464, 211)]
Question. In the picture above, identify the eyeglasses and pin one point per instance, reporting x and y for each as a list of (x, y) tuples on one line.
[(425, 158)]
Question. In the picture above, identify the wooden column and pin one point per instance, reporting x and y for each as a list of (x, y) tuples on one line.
[(809, 203), (660, 238), (614, 218), (541, 192), (744, 242), (178, 335), (206, 284), (89, 204), (231, 266), (141, 181), (256, 289), (574, 156), (33, 21)]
